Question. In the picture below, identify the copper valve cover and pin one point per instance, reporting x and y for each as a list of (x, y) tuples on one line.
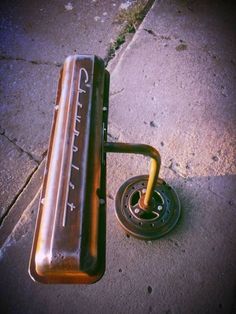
[(69, 240)]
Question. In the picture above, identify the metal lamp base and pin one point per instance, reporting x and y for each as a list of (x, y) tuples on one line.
[(154, 222)]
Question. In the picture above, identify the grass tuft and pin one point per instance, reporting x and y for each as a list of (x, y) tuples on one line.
[(130, 18)]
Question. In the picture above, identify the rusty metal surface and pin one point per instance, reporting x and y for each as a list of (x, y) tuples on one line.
[(69, 242), (147, 225)]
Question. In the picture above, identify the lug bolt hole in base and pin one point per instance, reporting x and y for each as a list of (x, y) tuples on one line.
[(151, 224)]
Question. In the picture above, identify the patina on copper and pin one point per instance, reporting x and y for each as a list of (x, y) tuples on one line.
[(69, 241)]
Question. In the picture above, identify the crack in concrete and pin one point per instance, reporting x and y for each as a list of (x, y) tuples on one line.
[(151, 32), (159, 36), (35, 62), (24, 220), (117, 92), (183, 45), (3, 133), (28, 180), (44, 154)]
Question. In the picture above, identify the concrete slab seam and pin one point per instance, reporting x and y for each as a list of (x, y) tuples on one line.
[(11, 239), (35, 62), (20, 148), (27, 182)]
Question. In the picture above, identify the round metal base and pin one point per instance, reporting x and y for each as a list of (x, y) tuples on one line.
[(154, 223)]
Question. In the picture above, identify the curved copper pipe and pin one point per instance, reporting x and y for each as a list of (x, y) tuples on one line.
[(145, 150)]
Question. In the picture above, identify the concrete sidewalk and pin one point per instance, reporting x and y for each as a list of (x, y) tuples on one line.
[(173, 88), (35, 39)]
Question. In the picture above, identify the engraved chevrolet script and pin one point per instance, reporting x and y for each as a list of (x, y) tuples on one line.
[(69, 240)]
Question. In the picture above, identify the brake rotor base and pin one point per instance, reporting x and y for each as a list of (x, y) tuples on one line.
[(151, 223)]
